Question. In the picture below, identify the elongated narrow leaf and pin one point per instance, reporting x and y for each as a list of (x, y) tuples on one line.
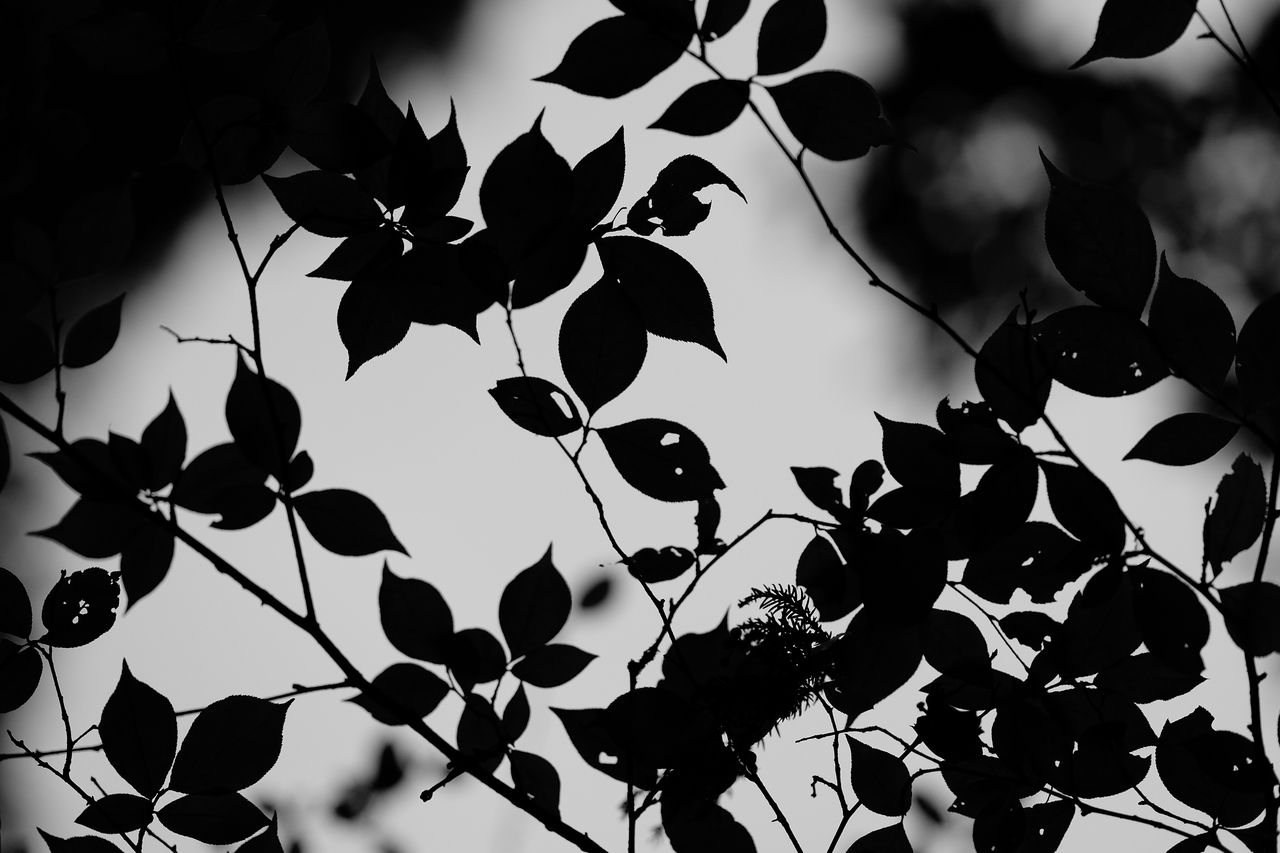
[(230, 746), (346, 522), (536, 405), (1238, 513), (534, 606), (1192, 328), (706, 108), (93, 335), (661, 459), (597, 180), (603, 344), (1132, 29), (1184, 439), (139, 733), (790, 35), (615, 56), (832, 113), (164, 442)]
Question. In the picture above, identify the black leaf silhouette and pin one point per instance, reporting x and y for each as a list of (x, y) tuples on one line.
[(325, 203), (139, 733), (1012, 373), (1250, 610), (949, 732), (721, 17), (603, 343), (552, 665), (371, 321), (675, 17), (872, 659), (403, 692), (79, 844), (832, 113), (919, 457), (703, 825), (1258, 357), (1194, 844), (346, 522), (93, 335), (534, 606), (526, 191), (998, 505), (790, 35), (1192, 328), (300, 471), (536, 778), (1146, 678), (597, 180), (336, 136), (1098, 352), (879, 780), (145, 560), (221, 480), (15, 606), (1132, 29), (20, 671), (1100, 629), (831, 585), (164, 442), (1219, 773), (213, 818), (95, 232), (230, 746), (1029, 627), (975, 435), (475, 657), (652, 565), (671, 204), (116, 813), (1238, 514), (1038, 557), (87, 468), (480, 734), (1184, 439), (1171, 617), (26, 353), (889, 839), (264, 420), (536, 405), (359, 254), (515, 717), (1085, 507), (424, 175), (661, 459), (819, 486), (615, 56), (706, 108), (415, 617), (81, 607)]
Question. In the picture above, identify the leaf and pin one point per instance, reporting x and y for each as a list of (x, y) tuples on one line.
[(1098, 352), (919, 457), (360, 254), (415, 617), (139, 733), (671, 204), (93, 335), (26, 353), (1029, 627), (703, 825), (325, 203), (213, 818), (1013, 375), (832, 113), (1038, 557), (221, 480), (661, 459), (536, 405), (146, 559), (790, 35), (819, 486), (948, 732), (536, 778), (164, 442), (829, 582), (615, 56), (602, 344), (1100, 241), (1250, 611), (475, 657), (671, 296), (20, 671), (552, 665), (1194, 844), (1238, 514), (480, 734), (708, 107), (534, 606), (79, 844), (346, 522), (1220, 773), (1258, 357), (230, 746), (889, 839), (264, 419), (871, 661), (371, 322), (1171, 617), (879, 780), (1184, 439), (721, 17), (81, 607), (1146, 678), (115, 813), (1085, 507), (401, 693), (674, 17), (96, 231), (597, 180), (336, 136), (1133, 29), (526, 190), (264, 842), (515, 717), (300, 471), (1192, 328), (15, 606), (650, 565)]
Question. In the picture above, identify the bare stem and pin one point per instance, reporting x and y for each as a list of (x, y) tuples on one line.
[(62, 707)]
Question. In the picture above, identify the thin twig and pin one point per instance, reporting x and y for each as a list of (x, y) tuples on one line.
[(778, 815), (229, 340), (62, 706), (1242, 59), (995, 623)]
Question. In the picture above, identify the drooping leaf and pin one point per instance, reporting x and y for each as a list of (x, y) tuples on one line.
[(526, 190), (213, 818), (889, 839), (1192, 328), (371, 322), (78, 844), (164, 442), (139, 733), (1084, 505), (1012, 373), (1098, 352), (597, 180), (26, 353), (1238, 514), (536, 405), (671, 204), (116, 813), (1250, 611), (15, 606), (1258, 357), (93, 335), (264, 419), (534, 606), (81, 607), (880, 780), (615, 56), (230, 746), (415, 617), (1217, 772), (721, 17), (832, 113), (552, 665), (475, 657), (661, 459), (401, 693), (146, 559), (706, 108), (346, 522), (1101, 242), (536, 778), (603, 343), (670, 294), (1132, 29), (325, 203), (20, 671), (652, 565), (790, 35), (1184, 439)]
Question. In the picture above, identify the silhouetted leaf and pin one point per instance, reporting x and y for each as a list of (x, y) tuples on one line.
[(615, 56), (674, 17), (671, 204), (900, 576), (1029, 627), (415, 617), (707, 107), (1100, 241), (230, 746), (948, 732), (974, 433), (526, 190), (790, 35), (661, 459), (336, 136), (139, 733), (721, 17), (872, 659), (1238, 514), (15, 606), (267, 841), (819, 486), (264, 419), (403, 692), (426, 175), (116, 813), (1220, 773), (1012, 373), (602, 344), (371, 322), (87, 468), (1146, 678), (146, 559), (93, 335), (238, 136), (670, 294), (1038, 557), (26, 353), (1171, 617), (1133, 29), (536, 778), (597, 180), (1100, 629), (552, 665), (879, 780), (515, 717), (1184, 439), (81, 607), (1194, 844), (832, 113), (475, 657), (651, 565), (1192, 328), (1098, 352), (1085, 507), (1250, 611), (300, 471), (534, 606), (20, 670), (325, 203), (536, 405), (1258, 357), (95, 232), (919, 457), (346, 522), (79, 844), (221, 480), (480, 737), (889, 839), (360, 254), (1000, 503), (593, 737), (703, 825), (213, 818), (164, 442)]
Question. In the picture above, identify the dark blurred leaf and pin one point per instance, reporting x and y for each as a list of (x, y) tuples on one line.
[(146, 559), (15, 606), (526, 191), (79, 844), (1084, 505), (139, 733), (299, 473), (325, 203), (1184, 439), (790, 35), (1146, 678), (480, 733), (597, 180), (4, 456), (164, 442), (651, 565), (415, 617), (95, 233), (615, 56), (534, 606), (1012, 373), (81, 607), (20, 670), (1258, 357), (1098, 352), (552, 665), (661, 459), (263, 418), (336, 136), (213, 818), (1250, 611), (515, 717), (721, 17), (346, 522), (974, 433), (602, 344), (1238, 514), (832, 113), (708, 107), (1192, 328), (537, 779), (596, 593), (298, 66), (536, 405), (238, 136), (230, 746), (403, 692), (26, 353), (93, 335), (879, 780), (1133, 29), (116, 813), (1100, 241)]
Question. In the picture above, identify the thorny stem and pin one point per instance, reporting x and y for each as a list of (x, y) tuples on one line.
[(229, 340), (62, 707), (779, 816)]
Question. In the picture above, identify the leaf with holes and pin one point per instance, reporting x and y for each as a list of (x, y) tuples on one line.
[(791, 34), (661, 459), (230, 746), (1099, 352), (705, 108), (1133, 29), (346, 522), (93, 335), (81, 607), (1238, 514), (1012, 373), (536, 778), (832, 113), (615, 56), (1184, 439), (534, 606), (139, 732), (536, 405)]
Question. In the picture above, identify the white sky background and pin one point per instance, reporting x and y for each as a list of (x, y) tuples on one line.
[(812, 352)]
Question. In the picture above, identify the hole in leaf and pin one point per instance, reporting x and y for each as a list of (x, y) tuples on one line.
[(670, 439)]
